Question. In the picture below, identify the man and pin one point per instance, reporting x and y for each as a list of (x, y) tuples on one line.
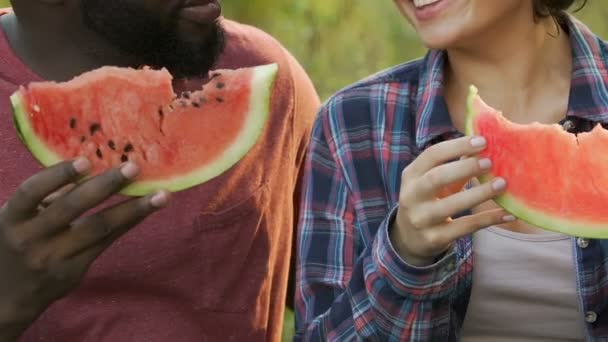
[(213, 264)]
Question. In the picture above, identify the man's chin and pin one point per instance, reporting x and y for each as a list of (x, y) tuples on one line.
[(195, 34), (194, 58)]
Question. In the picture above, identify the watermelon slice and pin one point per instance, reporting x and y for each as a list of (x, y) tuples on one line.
[(112, 115), (556, 180)]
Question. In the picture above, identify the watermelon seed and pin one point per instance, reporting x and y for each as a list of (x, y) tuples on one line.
[(124, 158), (36, 108), (160, 112), (82, 139), (219, 99), (128, 148), (72, 123), (94, 128), (112, 145), (98, 152), (196, 104), (220, 85), (186, 94)]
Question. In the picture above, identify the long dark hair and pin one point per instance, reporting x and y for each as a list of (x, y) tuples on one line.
[(555, 8)]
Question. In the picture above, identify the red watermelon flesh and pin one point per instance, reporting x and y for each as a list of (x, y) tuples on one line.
[(556, 180), (111, 115)]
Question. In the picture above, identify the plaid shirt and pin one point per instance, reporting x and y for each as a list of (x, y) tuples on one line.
[(352, 285)]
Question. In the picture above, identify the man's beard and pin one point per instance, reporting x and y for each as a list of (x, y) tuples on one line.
[(137, 32)]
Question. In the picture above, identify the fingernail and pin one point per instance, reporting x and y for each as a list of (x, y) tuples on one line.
[(478, 142), (499, 184), (160, 199), (81, 165), (129, 170), (508, 218), (485, 163)]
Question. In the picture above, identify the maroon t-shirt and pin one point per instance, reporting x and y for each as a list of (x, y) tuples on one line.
[(214, 265)]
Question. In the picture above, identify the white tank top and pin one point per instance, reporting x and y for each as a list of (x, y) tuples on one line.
[(524, 289)]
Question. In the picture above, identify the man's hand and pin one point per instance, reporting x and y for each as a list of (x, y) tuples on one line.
[(47, 245)]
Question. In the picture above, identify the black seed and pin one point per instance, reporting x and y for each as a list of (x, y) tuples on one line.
[(160, 112), (112, 145), (219, 99), (220, 85), (82, 139), (124, 158), (196, 104), (94, 128), (98, 152), (128, 148), (186, 94), (72, 123), (215, 74)]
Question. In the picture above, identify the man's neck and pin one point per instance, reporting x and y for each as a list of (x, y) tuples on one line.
[(59, 48)]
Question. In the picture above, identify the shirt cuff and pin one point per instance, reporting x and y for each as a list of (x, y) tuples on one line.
[(429, 282)]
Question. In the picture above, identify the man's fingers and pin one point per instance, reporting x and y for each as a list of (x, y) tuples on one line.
[(66, 209), (90, 235), (445, 152), (30, 193), (57, 194)]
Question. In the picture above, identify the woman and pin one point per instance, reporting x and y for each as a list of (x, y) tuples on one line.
[(379, 257)]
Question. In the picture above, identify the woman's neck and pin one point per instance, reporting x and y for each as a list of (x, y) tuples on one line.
[(521, 67)]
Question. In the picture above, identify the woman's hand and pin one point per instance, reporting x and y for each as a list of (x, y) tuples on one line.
[(423, 228)]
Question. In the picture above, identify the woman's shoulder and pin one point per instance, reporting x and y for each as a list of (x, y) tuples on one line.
[(376, 98), (586, 43)]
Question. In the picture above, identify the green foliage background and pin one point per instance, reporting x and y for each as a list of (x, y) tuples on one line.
[(341, 41)]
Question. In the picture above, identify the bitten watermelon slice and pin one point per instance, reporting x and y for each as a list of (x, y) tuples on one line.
[(556, 180), (112, 115)]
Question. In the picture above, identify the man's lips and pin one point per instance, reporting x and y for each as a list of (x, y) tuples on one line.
[(193, 3), (200, 11)]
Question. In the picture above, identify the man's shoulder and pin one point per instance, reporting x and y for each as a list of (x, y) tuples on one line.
[(247, 45)]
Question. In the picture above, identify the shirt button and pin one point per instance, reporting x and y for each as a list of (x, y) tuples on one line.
[(568, 125), (590, 317), (582, 242)]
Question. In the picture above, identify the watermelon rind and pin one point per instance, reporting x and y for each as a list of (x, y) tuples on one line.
[(261, 86), (518, 208), (27, 135)]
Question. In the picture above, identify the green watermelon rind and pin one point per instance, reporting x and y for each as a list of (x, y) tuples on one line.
[(25, 132), (515, 206), (261, 87)]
